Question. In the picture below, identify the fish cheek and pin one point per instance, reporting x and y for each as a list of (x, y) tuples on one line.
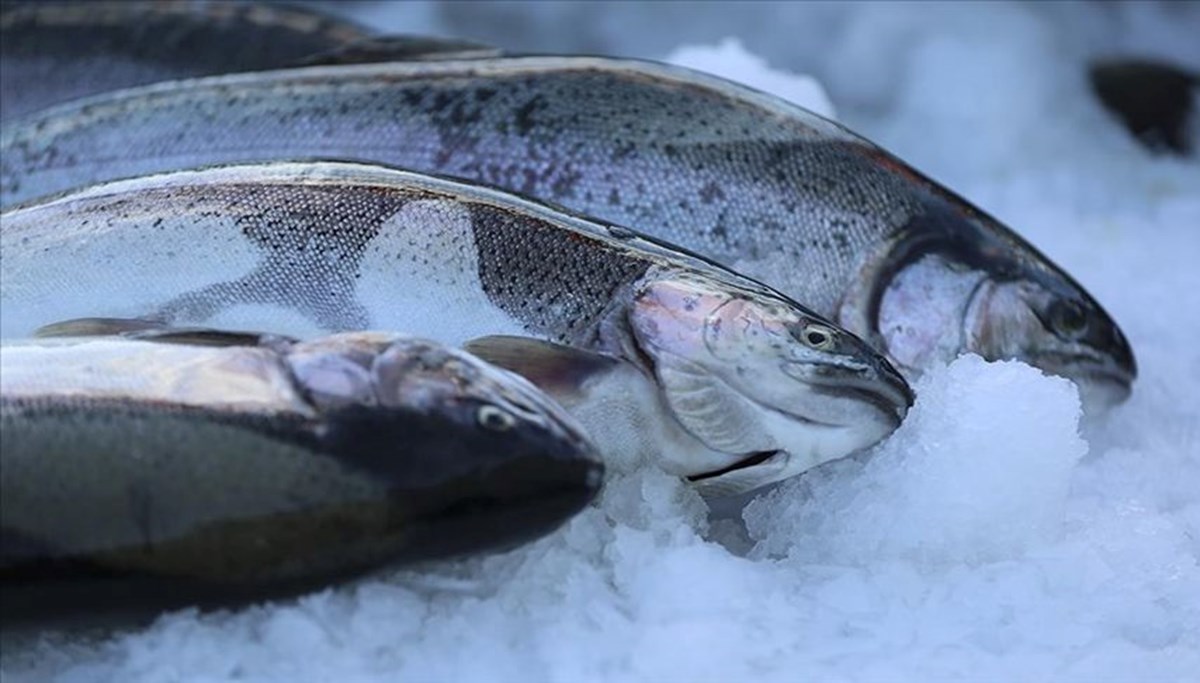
[(1002, 322), (924, 313)]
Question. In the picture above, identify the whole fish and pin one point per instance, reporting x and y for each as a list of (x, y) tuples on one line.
[(754, 182), (52, 52), (752, 387), (248, 465)]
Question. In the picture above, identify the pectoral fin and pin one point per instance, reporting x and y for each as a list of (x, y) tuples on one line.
[(98, 327), (559, 370)]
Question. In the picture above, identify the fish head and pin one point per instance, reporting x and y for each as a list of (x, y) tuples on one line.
[(1056, 327), (750, 373), (940, 306), (477, 453), (1017, 304), (951, 279)]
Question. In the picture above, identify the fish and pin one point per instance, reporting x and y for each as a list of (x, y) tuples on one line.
[(212, 465), (53, 52), (755, 387), (768, 188), (1155, 101)]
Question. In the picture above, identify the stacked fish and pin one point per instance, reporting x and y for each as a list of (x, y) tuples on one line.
[(605, 259)]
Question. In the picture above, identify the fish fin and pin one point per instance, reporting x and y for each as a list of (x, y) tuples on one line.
[(555, 368), (156, 331), (401, 48), (199, 336), (98, 327)]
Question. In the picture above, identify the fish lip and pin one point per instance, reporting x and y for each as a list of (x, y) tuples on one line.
[(1095, 367), (886, 390), (749, 461), (884, 402), (1096, 375)]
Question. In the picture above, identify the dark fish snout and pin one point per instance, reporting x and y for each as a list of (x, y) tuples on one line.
[(878, 384), (466, 486)]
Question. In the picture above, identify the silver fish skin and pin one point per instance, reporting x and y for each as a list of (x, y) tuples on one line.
[(767, 187), (271, 466), (753, 378), (52, 52)]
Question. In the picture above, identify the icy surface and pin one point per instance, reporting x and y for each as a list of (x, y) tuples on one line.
[(995, 537), (729, 59), (978, 472)]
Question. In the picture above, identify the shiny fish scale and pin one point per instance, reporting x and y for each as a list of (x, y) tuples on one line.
[(461, 261), (309, 240), (575, 135), (762, 186), (565, 270)]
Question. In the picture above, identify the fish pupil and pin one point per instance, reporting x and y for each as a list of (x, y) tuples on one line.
[(1069, 317)]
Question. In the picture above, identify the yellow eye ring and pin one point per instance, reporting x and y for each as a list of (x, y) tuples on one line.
[(496, 419)]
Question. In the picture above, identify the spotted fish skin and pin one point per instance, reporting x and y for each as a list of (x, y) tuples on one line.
[(271, 466), (325, 247), (309, 248), (52, 52), (744, 178)]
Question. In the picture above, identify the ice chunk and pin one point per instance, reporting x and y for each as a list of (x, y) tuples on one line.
[(979, 471), (728, 59)]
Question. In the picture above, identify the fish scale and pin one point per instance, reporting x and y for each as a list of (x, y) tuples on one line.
[(236, 468), (310, 240), (751, 181), (308, 248), (499, 134)]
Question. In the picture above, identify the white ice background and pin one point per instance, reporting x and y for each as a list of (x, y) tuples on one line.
[(994, 537)]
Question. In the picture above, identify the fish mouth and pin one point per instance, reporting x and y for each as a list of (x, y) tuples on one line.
[(891, 403), (752, 460), (1107, 381), (887, 392)]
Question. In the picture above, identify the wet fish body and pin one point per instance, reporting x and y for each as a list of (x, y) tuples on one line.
[(53, 52), (262, 468), (781, 194), (738, 372)]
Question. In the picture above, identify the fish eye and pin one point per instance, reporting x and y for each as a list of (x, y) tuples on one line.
[(1068, 318), (496, 419), (818, 337)]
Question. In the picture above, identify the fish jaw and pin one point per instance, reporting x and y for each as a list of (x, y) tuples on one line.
[(746, 372)]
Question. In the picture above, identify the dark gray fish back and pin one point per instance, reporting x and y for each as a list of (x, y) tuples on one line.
[(756, 184), (686, 163), (52, 52), (489, 491)]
